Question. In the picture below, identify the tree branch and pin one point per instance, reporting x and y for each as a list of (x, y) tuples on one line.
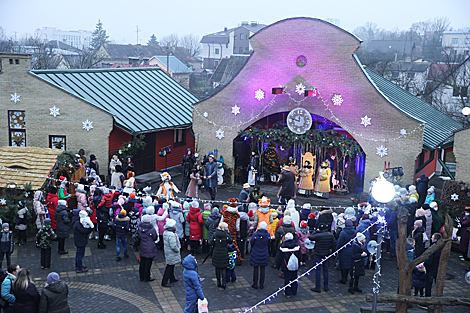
[(423, 257)]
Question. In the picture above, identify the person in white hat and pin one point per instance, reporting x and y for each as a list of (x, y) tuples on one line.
[(357, 264), (172, 248), (244, 196)]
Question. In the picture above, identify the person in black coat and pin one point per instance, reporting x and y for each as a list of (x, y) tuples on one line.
[(432, 264), (62, 225), (80, 239), (259, 254), (417, 235), (54, 297), (287, 181), (123, 227), (188, 164), (220, 240), (288, 248), (325, 243), (345, 237), (422, 189), (357, 263), (411, 205), (25, 292)]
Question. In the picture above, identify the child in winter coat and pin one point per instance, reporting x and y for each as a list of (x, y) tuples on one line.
[(6, 244), (192, 283), (194, 219), (311, 222), (305, 212), (251, 229), (176, 214), (419, 279), (44, 237), (205, 233), (430, 196), (303, 234), (232, 258), (288, 248), (134, 218), (242, 231), (22, 222), (212, 223), (186, 224), (85, 219), (122, 229)]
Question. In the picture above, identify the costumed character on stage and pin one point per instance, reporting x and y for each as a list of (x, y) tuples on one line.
[(306, 182), (129, 183), (255, 194), (167, 187), (220, 170), (62, 193), (253, 168), (322, 186), (231, 217), (188, 162)]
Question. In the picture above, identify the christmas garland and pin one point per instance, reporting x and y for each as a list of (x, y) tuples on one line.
[(130, 148), (12, 197), (67, 163)]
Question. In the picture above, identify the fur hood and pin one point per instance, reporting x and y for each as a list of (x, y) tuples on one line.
[(124, 219), (325, 211)]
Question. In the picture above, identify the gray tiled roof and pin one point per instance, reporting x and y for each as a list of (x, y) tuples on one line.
[(141, 99)]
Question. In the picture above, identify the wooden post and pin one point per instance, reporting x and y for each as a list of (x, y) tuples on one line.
[(442, 270)]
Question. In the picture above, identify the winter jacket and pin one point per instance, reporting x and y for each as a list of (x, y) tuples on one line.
[(176, 213), (219, 241), (419, 278), (211, 170), (429, 199), (242, 225), (161, 221), (45, 236), (282, 231), (432, 263), (304, 214), (205, 233), (422, 189), (62, 218), (147, 235), (54, 298), (172, 247), (363, 224), (194, 219), (39, 208), (82, 203), (52, 201), (357, 260), (107, 200), (428, 216), (392, 219), (22, 219), (211, 224), (302, 234), (410, 252), (417, 235), (325, 243), (75, 216), (80, 235), (7, 290), (264, 215), (133, 220), (192, 283), (259, 248), (345, 236), (243, 196), (286, 250), (186, 224), (26, 300), (122, 226), (325, 217), (465, 234), (287, 182), (117, 178), (295, 218), (436, 223), (312, 223), (7, 243)]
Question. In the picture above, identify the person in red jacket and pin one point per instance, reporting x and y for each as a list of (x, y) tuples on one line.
[(194, 218), (51, 201), (107, 203)]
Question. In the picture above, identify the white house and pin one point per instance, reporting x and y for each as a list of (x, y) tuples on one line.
[(458, 41), (76, 38)]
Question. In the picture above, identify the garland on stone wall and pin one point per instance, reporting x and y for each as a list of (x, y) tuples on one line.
[(319, 138)]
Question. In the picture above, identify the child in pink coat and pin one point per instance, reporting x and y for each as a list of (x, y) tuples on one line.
[(303, 234)]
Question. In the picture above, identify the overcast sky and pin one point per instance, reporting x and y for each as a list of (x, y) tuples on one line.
[(158, 17)]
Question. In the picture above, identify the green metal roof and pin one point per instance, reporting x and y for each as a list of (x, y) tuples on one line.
[(438, 126), (141, 99)]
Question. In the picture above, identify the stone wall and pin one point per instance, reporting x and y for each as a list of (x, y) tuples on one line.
[(37, 97), (331, 68), (462, 155)]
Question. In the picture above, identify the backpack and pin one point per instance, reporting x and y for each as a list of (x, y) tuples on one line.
[(293, 263)]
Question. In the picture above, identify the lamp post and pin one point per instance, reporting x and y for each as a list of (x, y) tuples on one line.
[(466, 112), (383, 192)]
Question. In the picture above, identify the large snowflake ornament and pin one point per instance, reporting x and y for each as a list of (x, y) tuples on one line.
[(205, 114), (381, 151), (235, 110), (365, 121), (300, 89), (3, 201), (259, 94), (87, 125), (54, 111), (220, 134), (15, 98), (403, 132), (454, 197), (337, 99)]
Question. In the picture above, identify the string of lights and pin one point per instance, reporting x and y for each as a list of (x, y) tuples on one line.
[(380, 220)]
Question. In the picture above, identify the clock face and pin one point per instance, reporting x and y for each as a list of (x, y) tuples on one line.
[(299, 121)]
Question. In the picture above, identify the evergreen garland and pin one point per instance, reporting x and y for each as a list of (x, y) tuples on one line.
[(130, 148), (12, 197), (67, 163)]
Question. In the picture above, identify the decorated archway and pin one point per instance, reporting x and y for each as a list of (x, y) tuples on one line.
[(305, 63)]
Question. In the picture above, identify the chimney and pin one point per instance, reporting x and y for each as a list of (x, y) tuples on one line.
[(245, 23), (254, 23), (225, 29)]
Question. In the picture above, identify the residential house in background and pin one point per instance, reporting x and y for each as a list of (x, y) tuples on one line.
[(173, 66), (399, 49), (223, 44), (80, 39), (410, 76), (457, 41)]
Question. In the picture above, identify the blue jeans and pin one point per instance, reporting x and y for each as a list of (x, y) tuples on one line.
[(230, 275), (79, 257), (318, 273), (393, 240), (119, 241)]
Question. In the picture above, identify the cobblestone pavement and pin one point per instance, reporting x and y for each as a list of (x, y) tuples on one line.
[(112, 286)]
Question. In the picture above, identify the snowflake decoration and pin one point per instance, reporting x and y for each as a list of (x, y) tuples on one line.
[(206, 114), (15, 98), (403, 132), (54, 111), (87, 125), (120, 151), (235, 110), (26, 194), (129, 145), (454, 197), (381, 151), (337, 99), (365, 121), (259, 94), (300, 89), (220, 134), (3, 201)]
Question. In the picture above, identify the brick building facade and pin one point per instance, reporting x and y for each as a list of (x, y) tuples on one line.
[(462, 154), (332, 68)]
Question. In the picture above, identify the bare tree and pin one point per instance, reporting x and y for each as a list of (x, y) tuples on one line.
[(192, 44), (367, 32), (170, 40), (44, 56), (85, 59)]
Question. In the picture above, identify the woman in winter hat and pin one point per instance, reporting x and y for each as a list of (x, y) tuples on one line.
[(21, 222), (172, 248), (192, 283), (220, 240), (294, 214), (287, 249), (212, 223), (194, 220), (39, 208), (417, 234), (147, 249), (357, 262), (345, 254), (259, 254), (176, 213)]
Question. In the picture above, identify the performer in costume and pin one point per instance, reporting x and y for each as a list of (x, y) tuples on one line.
[(306, 182), (322, 186), (62, 193), (129, 183), (167, 187), (253, 168)]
